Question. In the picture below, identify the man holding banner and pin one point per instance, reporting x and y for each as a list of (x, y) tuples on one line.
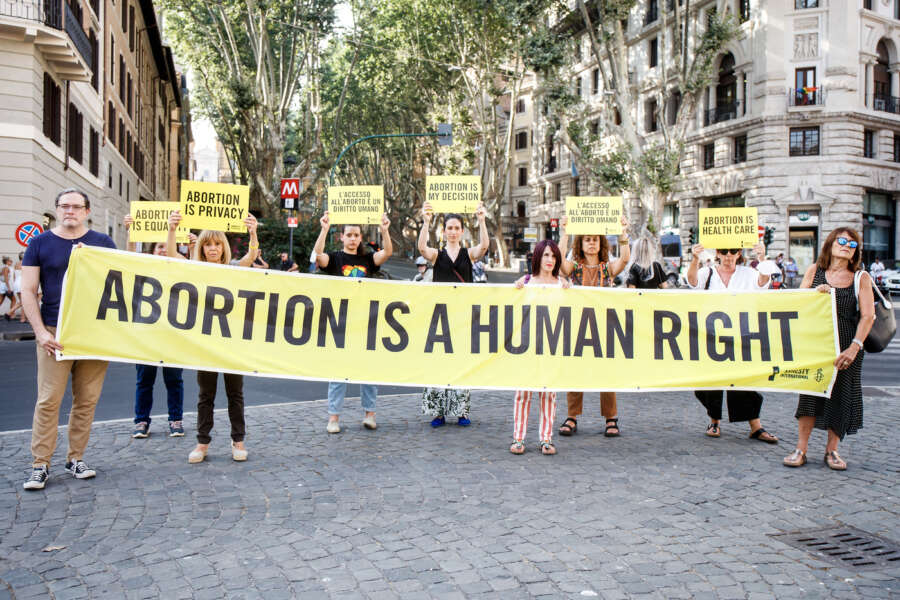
[(45, 264)]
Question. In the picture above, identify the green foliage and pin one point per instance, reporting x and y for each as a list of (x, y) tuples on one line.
[(545, 51), (274, 238), (659, 166), (613, 171)]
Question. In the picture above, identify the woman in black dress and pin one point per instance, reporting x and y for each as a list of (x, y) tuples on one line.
[(452, 264), (842, 413)]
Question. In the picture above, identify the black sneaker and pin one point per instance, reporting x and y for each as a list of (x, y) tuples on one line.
[(80, 470), (141, 430), (38, 479)]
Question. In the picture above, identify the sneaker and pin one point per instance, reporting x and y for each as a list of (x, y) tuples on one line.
[(464, 422), (79, 470), (141, 430), (39, 477), (369, 422), (437, 422), (333, 427), (176, 429)]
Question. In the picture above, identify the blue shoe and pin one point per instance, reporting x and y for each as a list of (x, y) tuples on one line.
[(464, 422), (437, 422)]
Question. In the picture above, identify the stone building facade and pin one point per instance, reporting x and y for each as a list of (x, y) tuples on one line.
[(60, 75), (802, 121)]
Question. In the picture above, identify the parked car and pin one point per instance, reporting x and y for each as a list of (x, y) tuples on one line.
[(890, 281)]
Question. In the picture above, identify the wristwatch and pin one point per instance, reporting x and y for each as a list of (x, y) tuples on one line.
[(858, 343)]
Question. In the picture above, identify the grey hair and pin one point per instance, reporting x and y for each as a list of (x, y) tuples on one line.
[(87, 201), (643, 253)]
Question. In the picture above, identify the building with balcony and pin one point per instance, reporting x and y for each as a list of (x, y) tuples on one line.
[(60, 74), (801, 120)]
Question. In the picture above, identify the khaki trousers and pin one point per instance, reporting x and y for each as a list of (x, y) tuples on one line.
[(575, 402), (52, 378)]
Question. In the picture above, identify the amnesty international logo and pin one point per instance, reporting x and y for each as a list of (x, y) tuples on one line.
[(819, 375)]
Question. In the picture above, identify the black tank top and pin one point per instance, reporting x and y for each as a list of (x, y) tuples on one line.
[(444, 267)]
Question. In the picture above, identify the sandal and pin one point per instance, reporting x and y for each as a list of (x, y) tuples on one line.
[(797, 458), (566, 429), (518, 447), (713, 430), (835, 462), (615, 425), (547, 448), (763, 436)]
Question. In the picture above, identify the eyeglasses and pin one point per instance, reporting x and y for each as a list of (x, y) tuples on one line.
[(729, 251), (72, 207), (845, 242)]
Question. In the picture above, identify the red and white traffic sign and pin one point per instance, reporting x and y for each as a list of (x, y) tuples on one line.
[(292, 221), (554, 222), (27, 231), (761, 231), (290, 188)]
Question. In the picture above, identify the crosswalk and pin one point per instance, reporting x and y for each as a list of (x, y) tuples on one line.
[(882, 369)]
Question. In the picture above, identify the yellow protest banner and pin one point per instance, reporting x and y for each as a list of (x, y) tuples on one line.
[(728, 227), (594, 215), (137, 308), (216, 206), (151, 222), (355, 204), (453, 193)]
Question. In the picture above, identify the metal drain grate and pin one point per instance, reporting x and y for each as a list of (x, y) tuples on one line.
[(845, 547)]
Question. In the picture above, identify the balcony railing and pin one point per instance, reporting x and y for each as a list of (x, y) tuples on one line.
[(889, 104), (52, 14), (806, 97), (78, 36), (49, 13), (726, 112)]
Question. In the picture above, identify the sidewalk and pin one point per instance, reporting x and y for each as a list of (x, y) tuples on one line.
[(14, 330), (411, 512)]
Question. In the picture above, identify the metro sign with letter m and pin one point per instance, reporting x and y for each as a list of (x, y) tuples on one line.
[(290, 192)]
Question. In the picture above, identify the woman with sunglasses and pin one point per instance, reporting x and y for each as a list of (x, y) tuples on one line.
[(730, 274), (842, 413)]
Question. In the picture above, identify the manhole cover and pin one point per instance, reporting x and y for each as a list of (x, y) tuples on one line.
[(845, 547)]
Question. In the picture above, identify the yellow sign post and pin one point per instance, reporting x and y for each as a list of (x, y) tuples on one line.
[(728, 227), (453, 193), (147, 309), (216, 206), (151, 222), (594, 215), (355, 204)]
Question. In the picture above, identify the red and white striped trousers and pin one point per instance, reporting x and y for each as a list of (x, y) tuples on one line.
[(520, 415)]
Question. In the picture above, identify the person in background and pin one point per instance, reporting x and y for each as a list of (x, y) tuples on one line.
[(146, 377), (44, 264), (730, 274), (259, 263), (790, 272), (645, 273), (6, 284), (841, 413), (212, 247), (591, 266), (312, 261), (423, 273), (17, 290), (876, 269), (286, 264)]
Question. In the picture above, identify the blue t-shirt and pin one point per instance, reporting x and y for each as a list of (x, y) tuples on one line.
[(51, 253)]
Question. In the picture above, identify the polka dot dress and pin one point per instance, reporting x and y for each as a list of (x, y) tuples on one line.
[(843, 411)]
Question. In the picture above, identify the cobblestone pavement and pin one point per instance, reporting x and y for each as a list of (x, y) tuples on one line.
[(411, 512)]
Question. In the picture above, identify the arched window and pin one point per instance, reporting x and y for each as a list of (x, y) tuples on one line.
[(726, 90), (881, 76)]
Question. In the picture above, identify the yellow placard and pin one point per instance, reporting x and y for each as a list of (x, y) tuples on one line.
[(594, 215), (453, 193), (151, 222), (728, 227), (355, 204), (216, 206), (165, 311)]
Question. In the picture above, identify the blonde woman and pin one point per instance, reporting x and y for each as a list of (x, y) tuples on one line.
[(212, 247), (645, 272)]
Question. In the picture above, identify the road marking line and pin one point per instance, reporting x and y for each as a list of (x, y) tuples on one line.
[(165, 416)]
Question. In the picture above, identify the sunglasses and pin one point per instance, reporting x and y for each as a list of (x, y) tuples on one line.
[(845, 242), (729, 251)]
